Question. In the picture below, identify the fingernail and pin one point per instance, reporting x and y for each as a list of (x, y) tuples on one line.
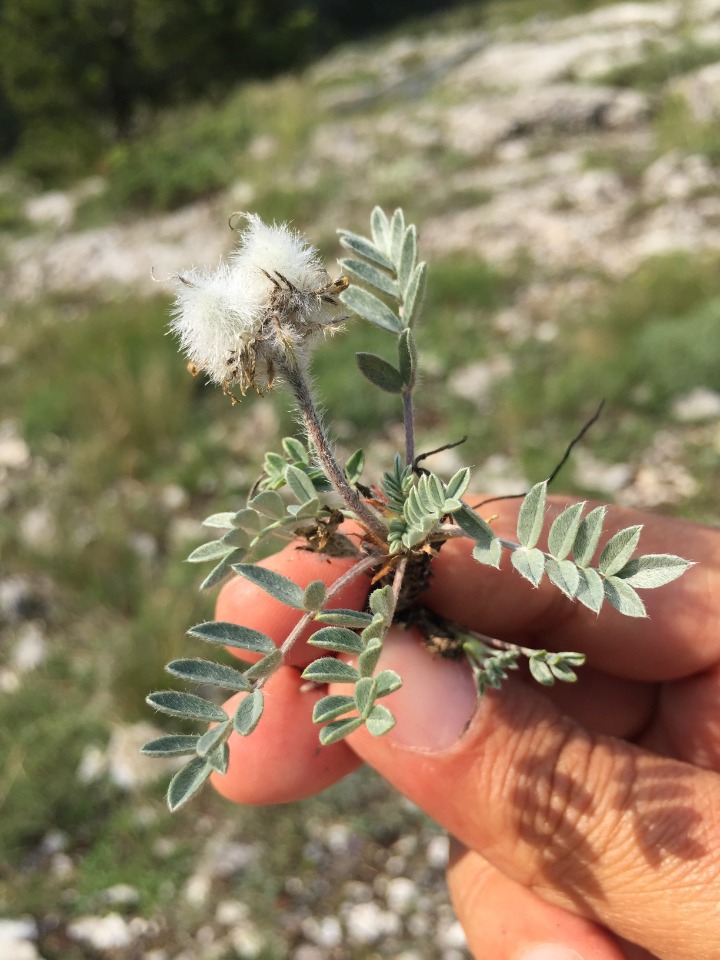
[(436, 701), (549, 951)]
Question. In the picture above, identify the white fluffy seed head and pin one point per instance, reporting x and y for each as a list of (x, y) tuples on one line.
[(270, 300), (214, 317)]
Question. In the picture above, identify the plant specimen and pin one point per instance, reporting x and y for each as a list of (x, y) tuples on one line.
[(252, 324)]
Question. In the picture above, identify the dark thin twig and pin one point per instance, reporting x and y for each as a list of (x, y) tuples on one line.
[(430, 453), (576, 439)]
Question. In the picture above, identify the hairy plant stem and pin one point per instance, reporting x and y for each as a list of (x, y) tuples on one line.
[(409, 423), (318, 437)]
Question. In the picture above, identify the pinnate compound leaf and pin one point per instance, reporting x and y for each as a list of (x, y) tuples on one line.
[(304, 511), (178, 704), (387, 682), (248, 713), (382, 602), (225, 521), (238, 538), (367, 273), (380, 229), (339, 729), (458, 484), (379, 372), (653, 570), (278, 586), (209, 740), (370, 308), (397, 235), (379, 720), (354, 466), (529, 563), (588, 536), (365, 694), (563, 531), (408, 256), (344, 618), (330, 670), (269, 503), (540, 670), (171, 746), (407, 358), (338, 639), (618, 550), (330, 708), (414, 295), (474, 525), (248, 519), (233, 635), (296, 450), (623, 597), (219, 759), (532, 515), (213, 550), (205, 671), (564, 574), (222, 569), (562, 671), (488, 553), (436, 491), (368, 659), (590, 591), (187, 782), (365, 248), (300, 484), (314, 595)]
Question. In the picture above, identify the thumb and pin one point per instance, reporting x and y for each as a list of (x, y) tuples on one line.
[(590, 823)]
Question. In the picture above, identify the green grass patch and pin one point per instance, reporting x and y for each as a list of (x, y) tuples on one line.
[(650, 338), (677, 129), (44, 727), (660, 65)]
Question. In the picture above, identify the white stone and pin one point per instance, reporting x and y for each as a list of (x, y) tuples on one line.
[(369, 923), (54, 209), (110, 932), (594, 474), (677, 176), (400, 894), (437, 852), (37, 528), (308, 952), (197, 889), (325, 932), (474, 382), (14, 452), (699, 404), (18, 950), (92, 764), (337, 837), (121, 894), (247, 941), (231, 913), (22, 929), (701, 91), (30, 649), (451, 936)]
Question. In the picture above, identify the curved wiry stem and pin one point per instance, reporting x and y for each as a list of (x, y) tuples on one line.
[(318, 437)]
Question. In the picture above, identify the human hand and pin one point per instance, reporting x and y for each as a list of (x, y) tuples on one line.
[(586, 817)]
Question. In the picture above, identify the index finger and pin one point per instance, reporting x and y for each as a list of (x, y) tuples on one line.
[(680, 636)]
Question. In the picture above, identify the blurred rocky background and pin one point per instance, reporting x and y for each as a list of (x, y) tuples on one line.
[(563, 169)]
